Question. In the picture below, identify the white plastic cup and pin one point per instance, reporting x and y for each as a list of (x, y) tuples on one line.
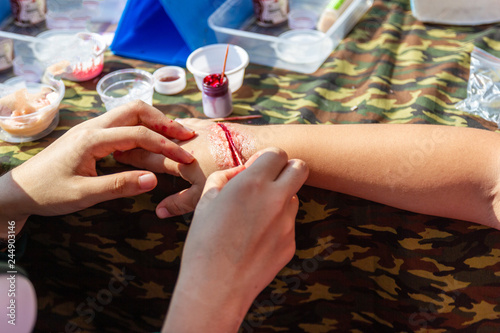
[(210, 59)]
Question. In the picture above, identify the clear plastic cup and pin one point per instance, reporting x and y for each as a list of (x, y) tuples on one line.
[(126, 85), (75, 56), (38, 116)]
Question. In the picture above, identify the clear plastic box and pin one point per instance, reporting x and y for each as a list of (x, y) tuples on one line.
[(234, 23)]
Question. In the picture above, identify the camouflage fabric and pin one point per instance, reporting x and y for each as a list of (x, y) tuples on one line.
[(359, 266)]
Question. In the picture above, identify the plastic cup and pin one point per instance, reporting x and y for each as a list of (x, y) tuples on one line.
[(18, 127), (83, 52), (210, 59), (124, 86)]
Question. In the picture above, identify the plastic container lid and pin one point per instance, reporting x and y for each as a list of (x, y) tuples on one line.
[(303, 46)]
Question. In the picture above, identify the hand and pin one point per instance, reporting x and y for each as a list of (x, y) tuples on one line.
[(242, 234), (63, 177), (195, 173)]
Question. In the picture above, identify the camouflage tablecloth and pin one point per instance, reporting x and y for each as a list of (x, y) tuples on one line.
[(359, 266)]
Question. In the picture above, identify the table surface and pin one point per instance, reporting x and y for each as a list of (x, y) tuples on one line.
[(359, 266)]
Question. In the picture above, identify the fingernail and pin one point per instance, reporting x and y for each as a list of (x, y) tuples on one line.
[(163, 213), (147, 181), (188, 156)]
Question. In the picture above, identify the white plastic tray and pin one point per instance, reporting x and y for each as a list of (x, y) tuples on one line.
[(234, 23)]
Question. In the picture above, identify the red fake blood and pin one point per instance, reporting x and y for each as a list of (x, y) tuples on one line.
[(86, 72), (212, 80), (234, 153), (169, 78)]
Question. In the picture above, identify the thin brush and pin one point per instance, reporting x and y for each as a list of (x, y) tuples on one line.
[(236, 118), (224, 66)]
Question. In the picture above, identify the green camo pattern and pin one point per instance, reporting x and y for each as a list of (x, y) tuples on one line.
[(359, 266)]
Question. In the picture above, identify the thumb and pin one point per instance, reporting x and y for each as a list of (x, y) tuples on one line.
[(215, 183), (186, 201), (179, 203), (219, 179), (118, 185)]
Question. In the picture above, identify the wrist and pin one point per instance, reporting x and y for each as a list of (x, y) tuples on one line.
[(12, 206), (200, 306)]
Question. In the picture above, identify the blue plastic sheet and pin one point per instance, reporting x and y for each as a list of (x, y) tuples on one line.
[(164, 31)]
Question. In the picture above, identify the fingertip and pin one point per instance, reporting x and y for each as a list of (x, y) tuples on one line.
[(178, 154), (299, 165), (147, 181), (163, 213)]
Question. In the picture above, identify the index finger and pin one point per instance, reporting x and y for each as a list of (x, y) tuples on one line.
[(140, 113)]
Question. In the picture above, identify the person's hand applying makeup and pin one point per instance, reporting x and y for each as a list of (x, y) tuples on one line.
[(63, 178), (241, 236)]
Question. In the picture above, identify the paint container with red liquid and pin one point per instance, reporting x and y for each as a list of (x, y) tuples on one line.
[(216, 96)]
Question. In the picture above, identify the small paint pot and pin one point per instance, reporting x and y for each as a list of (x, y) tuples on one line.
[(170, 80)]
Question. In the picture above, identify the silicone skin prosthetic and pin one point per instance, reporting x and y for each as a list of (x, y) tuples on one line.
[(438, 170)]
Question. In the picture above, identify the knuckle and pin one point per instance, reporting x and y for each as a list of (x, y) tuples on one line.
[(141, 131), (137, 104), (119, 185), (177, 207), (84, 134), (280, 153)]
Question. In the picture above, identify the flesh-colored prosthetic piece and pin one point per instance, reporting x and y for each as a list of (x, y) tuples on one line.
[(229, 145)]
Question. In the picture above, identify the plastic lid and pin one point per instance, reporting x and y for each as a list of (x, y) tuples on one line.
[(303, 46)]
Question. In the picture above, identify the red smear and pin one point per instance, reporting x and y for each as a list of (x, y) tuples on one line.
[(164, 129), (83, 74), (234, 153)]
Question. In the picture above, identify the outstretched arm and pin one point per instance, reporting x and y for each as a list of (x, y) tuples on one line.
[(438, 170)]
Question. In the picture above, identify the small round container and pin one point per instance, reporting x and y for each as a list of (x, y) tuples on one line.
[(126, 85), (210, 59), (303, 46), (170, 80), (216, 96), (302, 19), (77, 59), (34, 115)]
